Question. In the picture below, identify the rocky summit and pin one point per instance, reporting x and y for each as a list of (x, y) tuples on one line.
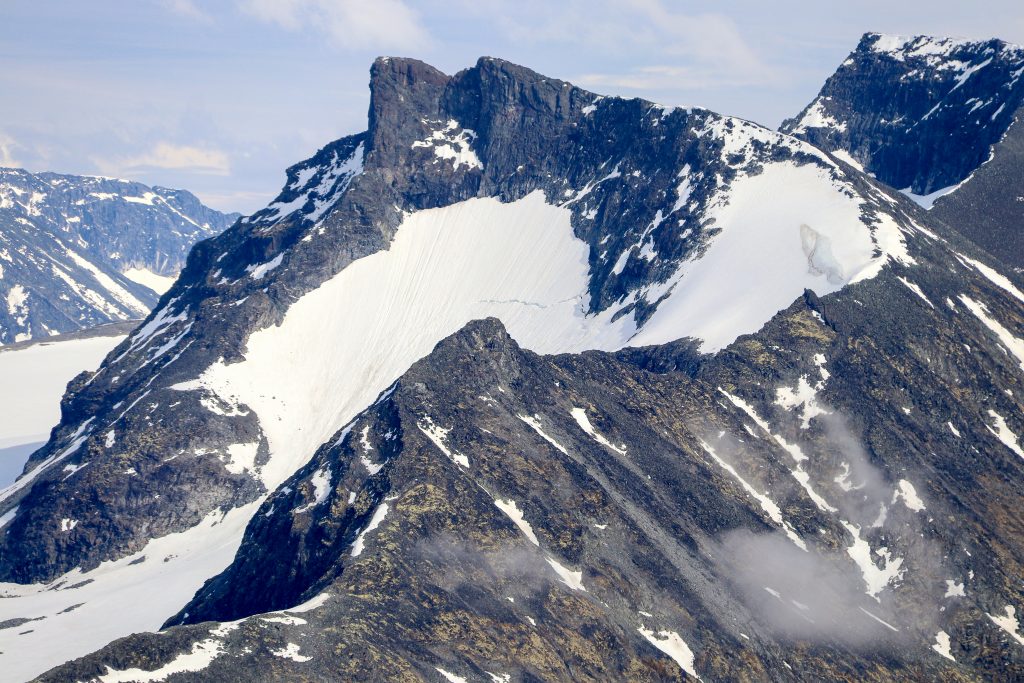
[(939, 119), (80, 251), (524, 383)]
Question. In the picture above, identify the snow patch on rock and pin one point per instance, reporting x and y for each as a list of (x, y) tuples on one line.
[(534, 423), (513, 512), (1009, 623), (942, 645), (580, 415), (674, 646), (378, 517), (573, 580)]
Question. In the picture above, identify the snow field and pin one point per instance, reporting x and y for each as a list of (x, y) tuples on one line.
[(32, 381)]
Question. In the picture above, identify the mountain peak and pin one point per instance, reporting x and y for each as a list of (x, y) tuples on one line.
[(956, 99), (90, 250), (898, 46), (403, 71), (495, 66), (937, 118), (396, 82), (480, 337), (494, 85), (583, 224)]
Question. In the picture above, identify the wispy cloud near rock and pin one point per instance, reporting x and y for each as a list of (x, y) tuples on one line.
[(166, 155), (7, 146), (346, 23)]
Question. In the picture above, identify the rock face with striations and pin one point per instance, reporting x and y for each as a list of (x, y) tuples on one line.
[(989, 205), (524, 383), (938, 119), (80, 251)]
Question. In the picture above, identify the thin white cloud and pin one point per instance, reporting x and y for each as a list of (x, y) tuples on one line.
[(666, 77), (352, 24), (7, 145), (188, 9), (165, 155), (676, 50), (243, 201), (709, 39)]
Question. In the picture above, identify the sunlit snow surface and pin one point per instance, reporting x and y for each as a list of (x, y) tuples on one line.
[(816, 117), (117, 598), (343, 343), (926, 201), (675, 647), (510, 508), (784, 230), (339, 346), (147, 278), (32, 381)]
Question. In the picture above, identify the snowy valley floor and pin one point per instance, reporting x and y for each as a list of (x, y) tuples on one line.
[(32, 380)]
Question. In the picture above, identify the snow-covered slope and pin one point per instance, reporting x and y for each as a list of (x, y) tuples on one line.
[(147, 278), (580, 222), (82, 611), (784, 230), (342, 344), (32, 380), (78, 251)]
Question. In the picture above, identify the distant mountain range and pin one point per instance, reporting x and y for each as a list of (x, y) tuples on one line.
[(524, 383), (79, 251), (939, 119)]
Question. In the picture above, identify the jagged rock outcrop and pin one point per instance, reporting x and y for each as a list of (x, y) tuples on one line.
[(937, 119)]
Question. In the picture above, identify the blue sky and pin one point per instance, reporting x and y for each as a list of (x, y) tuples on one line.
[(218, 97)]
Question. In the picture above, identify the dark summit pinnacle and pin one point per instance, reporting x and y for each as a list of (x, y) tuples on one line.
[(925, 115), (918, 112)]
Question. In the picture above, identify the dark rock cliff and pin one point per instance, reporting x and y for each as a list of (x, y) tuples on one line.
[(932, 115)]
